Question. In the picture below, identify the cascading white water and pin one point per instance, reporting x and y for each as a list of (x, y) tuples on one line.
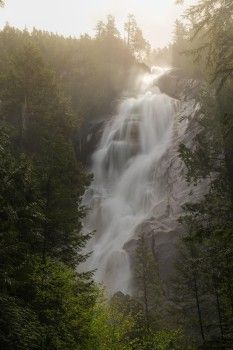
[(125, 188)]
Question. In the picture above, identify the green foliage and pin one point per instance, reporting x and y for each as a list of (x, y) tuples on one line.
[(165, 340), (107, 30), (88, 69), (47, 85), (42, 302), (203, 47), (149, 289), (135, 40), (213, 19), (203, 287), (45, 303), (63, 302), (118, 324), (154, 326), (20, 328), (204, 283), (182, 51), (160, 57), (111, 326)]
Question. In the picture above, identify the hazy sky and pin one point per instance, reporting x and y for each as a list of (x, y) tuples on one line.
[(73, 17)]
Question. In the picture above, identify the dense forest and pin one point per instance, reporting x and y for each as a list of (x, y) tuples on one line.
[(50, 86)]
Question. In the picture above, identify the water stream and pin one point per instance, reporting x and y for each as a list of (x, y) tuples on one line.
[(126, 187)]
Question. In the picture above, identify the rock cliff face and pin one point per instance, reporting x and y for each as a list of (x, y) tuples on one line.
[(87, 138), (163, 229)]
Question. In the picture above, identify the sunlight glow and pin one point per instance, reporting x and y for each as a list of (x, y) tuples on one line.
[(73, 17)]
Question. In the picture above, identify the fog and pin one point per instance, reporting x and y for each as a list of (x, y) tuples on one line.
[(74, 17)]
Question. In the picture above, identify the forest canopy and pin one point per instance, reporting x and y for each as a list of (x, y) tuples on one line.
[(51, 88)]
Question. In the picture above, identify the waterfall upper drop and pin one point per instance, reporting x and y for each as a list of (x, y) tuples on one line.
[(126, 186)]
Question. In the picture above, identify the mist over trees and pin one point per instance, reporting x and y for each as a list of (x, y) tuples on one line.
[(205, 266), (49, 87)]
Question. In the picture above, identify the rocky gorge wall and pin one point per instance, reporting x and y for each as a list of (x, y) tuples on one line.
[(162, 228)]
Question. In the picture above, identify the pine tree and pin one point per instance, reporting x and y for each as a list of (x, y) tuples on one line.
[(214, 19), (100, 27), (111, 326), (209, 225), (110, 27), (149, 288), (135, 40), (41, 190)]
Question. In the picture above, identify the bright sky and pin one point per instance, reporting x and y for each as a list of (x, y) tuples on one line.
[(73, 17)]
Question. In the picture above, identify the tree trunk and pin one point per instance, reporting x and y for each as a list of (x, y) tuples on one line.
[(145, 294), (198, 308), (226, 127), (218, 307), (46, 226), (229, 287)]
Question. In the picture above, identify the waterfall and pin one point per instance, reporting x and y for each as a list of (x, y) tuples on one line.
[(126, 187)]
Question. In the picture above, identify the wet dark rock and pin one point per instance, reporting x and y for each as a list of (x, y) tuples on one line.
[(162, 230), (176, 85), (87, 139)]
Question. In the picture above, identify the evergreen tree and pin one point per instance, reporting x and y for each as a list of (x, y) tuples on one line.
[(100, 27), (214, 19), (135, 40), (110, 27), (111, 326), (41, 214), (149, 291), (209, 223), (130, 27)]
